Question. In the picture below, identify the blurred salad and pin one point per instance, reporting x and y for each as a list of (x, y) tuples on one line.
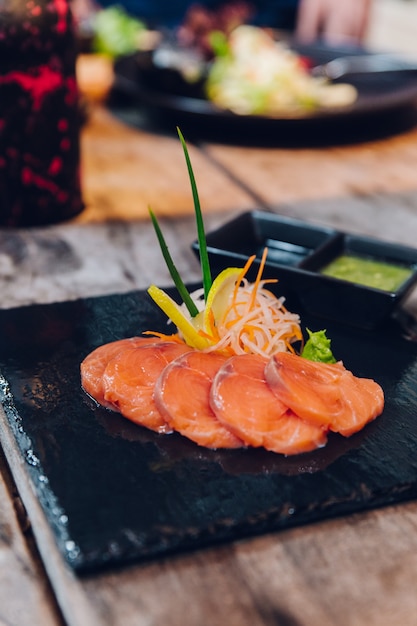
[(252, 73), (116, 33)]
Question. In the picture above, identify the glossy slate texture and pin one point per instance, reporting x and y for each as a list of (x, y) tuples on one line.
[(113, 492)]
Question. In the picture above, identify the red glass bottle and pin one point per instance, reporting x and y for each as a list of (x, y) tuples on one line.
[(39, 114)]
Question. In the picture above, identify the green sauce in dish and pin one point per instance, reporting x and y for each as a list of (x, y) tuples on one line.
[(367, 272)]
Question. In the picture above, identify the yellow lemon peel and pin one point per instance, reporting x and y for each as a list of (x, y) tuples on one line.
[(191, 335), (218, 299)]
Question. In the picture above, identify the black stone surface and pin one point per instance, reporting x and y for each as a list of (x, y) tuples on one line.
[(113, 492)]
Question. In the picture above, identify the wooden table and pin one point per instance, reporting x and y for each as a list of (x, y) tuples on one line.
[(357, 570)]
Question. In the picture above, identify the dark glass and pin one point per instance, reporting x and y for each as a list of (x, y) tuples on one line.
[(39, 114)]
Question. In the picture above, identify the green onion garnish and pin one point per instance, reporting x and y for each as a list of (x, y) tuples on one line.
[(204, 260), (182, 289)]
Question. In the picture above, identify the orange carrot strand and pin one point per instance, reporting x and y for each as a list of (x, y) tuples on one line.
[(175, 338), (258, 278)]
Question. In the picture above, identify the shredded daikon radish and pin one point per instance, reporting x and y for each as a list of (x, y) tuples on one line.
[(256, 321)]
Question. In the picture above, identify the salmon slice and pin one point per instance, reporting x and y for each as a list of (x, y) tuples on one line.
[(242, 401), (93, 366), (365, 399), (324, 394), (182, 395), (129, 380)]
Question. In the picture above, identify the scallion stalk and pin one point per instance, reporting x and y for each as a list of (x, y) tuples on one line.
[(182, 289), (204, 260)]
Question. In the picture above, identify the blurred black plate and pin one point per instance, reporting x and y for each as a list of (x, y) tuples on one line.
[(385, 103), (114, 493)]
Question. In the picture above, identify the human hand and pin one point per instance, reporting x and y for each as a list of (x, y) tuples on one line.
[(336, 21), (83, 10)]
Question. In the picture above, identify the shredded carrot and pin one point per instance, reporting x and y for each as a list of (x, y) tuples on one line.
[(259, 324), (258, 277), (245, 269), (175, 338), (254, 321), (242, 275), (213, 329)]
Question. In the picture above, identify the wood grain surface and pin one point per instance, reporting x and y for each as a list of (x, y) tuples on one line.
[(26, 597), (278, 175), (125, 171), (357, 570), (350, 572)]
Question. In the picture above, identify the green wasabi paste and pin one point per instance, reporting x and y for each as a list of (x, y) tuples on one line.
[(317, 347), (367, 272)]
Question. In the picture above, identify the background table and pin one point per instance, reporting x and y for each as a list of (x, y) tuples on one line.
[(357, 570)]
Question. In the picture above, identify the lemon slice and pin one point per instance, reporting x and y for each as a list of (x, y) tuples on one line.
[(218, 298), (171, 309)]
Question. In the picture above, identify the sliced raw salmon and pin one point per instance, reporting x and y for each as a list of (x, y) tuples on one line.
[(242, 401), (182, 396), (325, 394), (130, 377), (93, 366), (365, 399)]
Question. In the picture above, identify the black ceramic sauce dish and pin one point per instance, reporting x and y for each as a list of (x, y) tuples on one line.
[(297, 253)]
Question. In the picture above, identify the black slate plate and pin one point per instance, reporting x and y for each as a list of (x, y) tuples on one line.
[(385, 104), (113, 492)]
